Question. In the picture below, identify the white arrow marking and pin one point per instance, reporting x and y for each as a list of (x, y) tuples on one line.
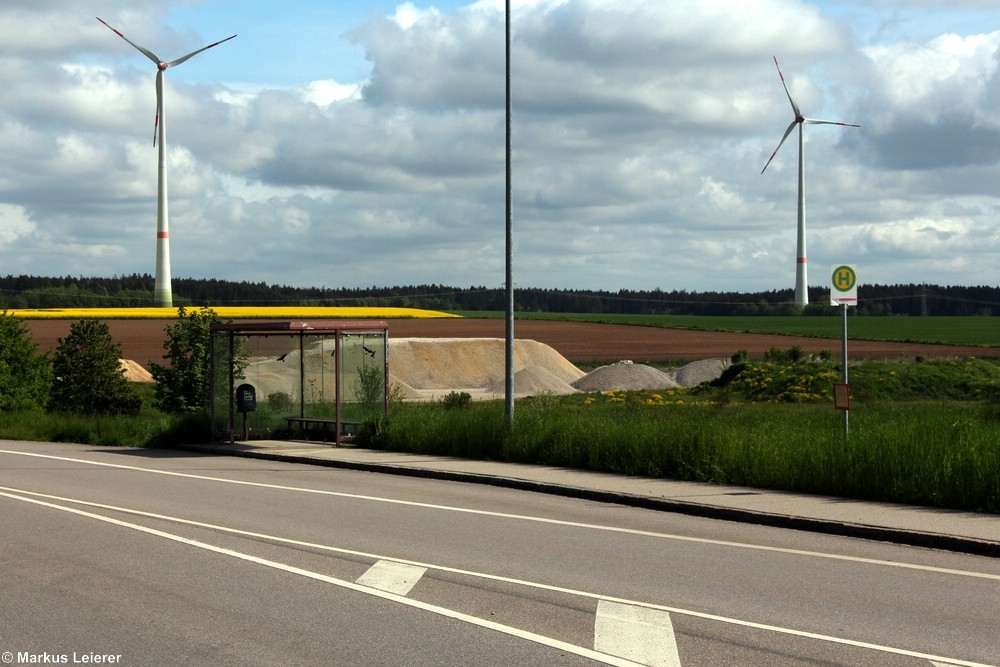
[(636, 633), (392, 577)]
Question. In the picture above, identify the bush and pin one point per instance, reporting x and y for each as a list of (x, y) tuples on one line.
[(25, 375), (369, 388), (793, 354), (185, 386), (456, 400), (279, 401), (89, 379)]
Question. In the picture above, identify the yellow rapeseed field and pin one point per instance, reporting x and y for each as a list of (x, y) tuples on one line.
[(231, 313)]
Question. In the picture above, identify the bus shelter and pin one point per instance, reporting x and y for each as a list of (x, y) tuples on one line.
[(311, 380)]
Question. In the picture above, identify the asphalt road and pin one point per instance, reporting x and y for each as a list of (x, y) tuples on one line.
[(139, 557)]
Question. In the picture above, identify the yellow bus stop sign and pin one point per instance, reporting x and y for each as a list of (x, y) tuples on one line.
[(844, 285)]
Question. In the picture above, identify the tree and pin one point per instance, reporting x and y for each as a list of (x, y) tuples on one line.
[(25, 375), (186, 385), (89, 378)]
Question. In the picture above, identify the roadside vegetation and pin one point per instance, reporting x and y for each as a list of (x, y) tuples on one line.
[(924, 432), (78, 392)]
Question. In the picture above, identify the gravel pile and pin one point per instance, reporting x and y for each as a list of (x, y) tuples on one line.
[(625, 376), (697, 372)]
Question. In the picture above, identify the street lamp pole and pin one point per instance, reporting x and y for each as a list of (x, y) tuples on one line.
[(509, 370)]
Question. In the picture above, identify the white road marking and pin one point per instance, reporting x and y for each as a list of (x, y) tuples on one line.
[(374, 592), (636, 633), (518, 517), (391, 576), (947, 662)]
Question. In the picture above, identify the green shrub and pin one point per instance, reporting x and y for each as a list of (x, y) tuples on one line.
[(456, 401), (185, 385), (89, 378), (25, 375), (279, 401), (369, 388)]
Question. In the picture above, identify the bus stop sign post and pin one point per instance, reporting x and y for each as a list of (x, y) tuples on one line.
[(843, 293)]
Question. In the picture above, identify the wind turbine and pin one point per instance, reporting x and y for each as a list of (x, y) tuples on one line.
[(162, 294), (801, 274)]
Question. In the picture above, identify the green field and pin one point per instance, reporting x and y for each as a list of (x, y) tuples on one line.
[(982, 331)]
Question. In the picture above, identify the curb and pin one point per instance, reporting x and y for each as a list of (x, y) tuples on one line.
[(954, 543)]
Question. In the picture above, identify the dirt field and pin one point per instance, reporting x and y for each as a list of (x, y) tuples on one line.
[(581, 343)]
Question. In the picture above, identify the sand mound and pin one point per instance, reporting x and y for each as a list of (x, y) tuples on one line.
[(693, 374), (134, 372), (533, 381), (624, 376), (459, 363)]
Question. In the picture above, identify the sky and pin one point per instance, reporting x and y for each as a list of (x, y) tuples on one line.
[(357, 144)]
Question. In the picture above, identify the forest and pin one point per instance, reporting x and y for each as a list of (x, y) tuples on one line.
[(21, 292)]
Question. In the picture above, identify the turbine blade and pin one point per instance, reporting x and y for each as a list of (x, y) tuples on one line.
[(174, 63), (146, 52), (159, 103), (814, 121), (780, 144), (795, 107)]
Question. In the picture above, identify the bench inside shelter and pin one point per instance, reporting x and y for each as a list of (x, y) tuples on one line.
[(303, 425)]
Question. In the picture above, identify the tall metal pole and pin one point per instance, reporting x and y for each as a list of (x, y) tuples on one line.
[(509, 369), (843, 309)]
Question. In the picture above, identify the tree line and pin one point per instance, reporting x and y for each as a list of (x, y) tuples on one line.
[(136, 290)]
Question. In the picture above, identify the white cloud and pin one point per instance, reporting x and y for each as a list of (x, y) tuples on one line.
[(639, 133), (14, 224)]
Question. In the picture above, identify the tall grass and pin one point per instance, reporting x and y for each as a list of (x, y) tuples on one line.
[(151, 428), (922, 454), (146, 430)]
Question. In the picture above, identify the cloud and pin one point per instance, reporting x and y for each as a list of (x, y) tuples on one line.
[(934, 104), (639, 132), (15, 223)]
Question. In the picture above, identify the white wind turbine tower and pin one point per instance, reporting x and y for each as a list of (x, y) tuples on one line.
[(801, 274), (162, 294)]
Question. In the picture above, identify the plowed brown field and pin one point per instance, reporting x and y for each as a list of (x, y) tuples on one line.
[(582, 343)]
